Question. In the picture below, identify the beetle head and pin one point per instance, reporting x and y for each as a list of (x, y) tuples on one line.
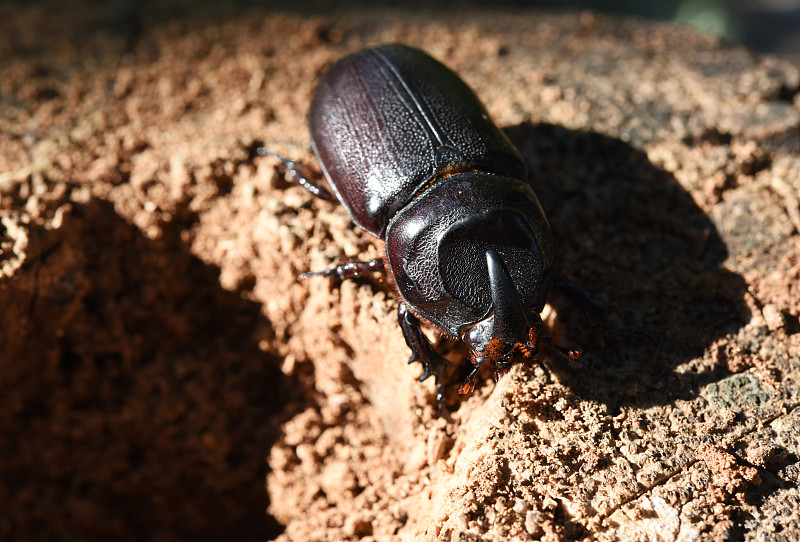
[(511, 333)]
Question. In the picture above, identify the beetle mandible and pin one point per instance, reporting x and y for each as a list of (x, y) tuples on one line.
[(411, 153)]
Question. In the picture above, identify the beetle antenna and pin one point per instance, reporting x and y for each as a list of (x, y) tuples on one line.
[(469, 383)]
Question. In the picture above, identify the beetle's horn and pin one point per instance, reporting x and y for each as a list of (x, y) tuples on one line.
[(510, 318)]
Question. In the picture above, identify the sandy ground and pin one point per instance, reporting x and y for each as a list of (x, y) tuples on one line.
[(158, 359)]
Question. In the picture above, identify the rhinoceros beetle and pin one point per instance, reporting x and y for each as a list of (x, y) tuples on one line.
[(411, 153)]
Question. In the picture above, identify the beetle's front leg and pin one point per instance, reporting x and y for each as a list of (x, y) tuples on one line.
[(422, 350), (595, 312), (581, 296), (347, 270), (296, 173)]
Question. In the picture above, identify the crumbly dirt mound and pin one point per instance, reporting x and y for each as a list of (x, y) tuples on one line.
[(156, 347)]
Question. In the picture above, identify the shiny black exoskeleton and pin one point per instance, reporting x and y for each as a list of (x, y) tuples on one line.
[(411, 153)]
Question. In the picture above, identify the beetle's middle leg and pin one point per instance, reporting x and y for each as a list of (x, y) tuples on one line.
[(349, 270), (422, 350), (296, 172)]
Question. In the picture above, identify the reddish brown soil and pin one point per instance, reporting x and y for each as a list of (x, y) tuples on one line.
[(158, 359)]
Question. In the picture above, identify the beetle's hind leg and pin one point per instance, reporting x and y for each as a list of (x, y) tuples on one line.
[(296, 172), (349, 270), (422, 350)]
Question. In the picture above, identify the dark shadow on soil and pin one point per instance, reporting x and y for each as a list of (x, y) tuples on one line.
[(627, 231), (137, 404)]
